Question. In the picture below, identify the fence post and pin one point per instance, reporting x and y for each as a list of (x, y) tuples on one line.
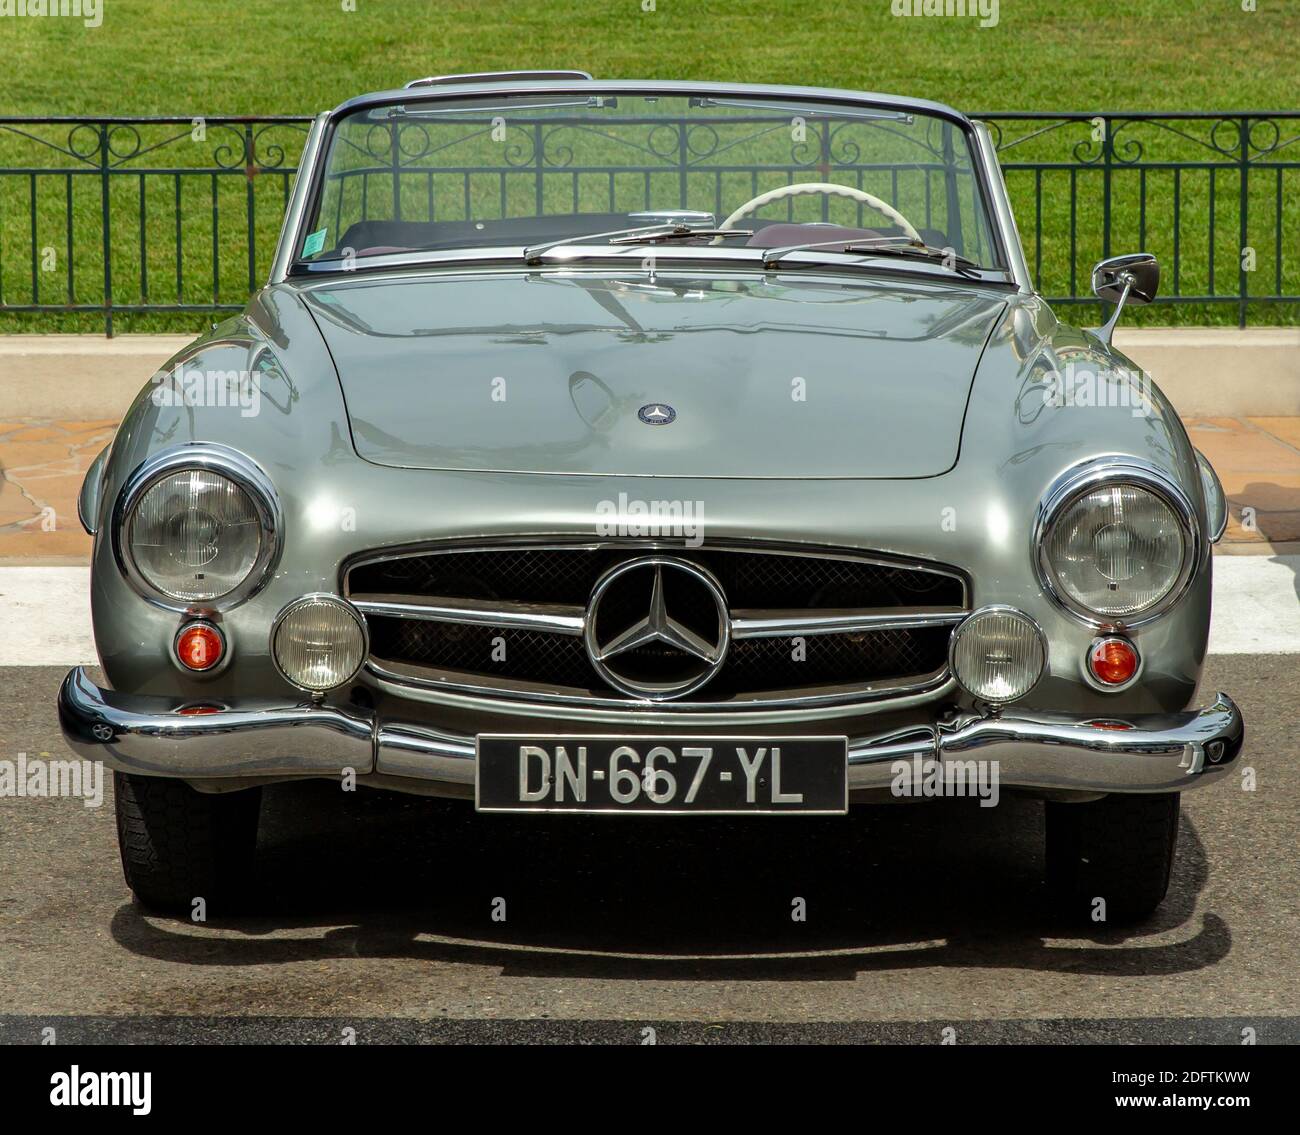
[(1107, 151), (952, 198), (105, 214), (250, 172), (683, 163), (538, 142), (395, 165), (1242, 275)]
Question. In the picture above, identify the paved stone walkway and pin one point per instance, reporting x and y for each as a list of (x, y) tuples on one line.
[(1258, 461), (42, 463)]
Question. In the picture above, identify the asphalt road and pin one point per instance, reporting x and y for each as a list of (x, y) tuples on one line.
[(377, 915)]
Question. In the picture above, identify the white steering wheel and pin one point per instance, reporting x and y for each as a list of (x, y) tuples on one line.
[(802, 188)]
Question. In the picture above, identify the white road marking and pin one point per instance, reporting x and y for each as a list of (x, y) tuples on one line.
[(1256, 605), (45, 617), (45, 611)]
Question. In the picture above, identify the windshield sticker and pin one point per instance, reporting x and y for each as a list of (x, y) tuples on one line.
[(314, 242)]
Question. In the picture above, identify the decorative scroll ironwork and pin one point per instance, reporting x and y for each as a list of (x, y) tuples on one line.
[(1213, 195), (175, 214)]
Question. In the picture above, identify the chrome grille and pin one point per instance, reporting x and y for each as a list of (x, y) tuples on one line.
[(509, 620)]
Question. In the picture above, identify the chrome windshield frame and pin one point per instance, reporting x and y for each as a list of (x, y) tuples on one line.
[(295, 214), (1003, 218), (992, 192)]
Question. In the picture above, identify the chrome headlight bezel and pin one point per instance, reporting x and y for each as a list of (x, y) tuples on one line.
[(225, 462), (1077, 482)]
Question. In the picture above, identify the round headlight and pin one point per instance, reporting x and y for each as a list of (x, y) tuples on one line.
[(1116, 550), (318, 642), (998, 654), (198, 524), (194, 535)]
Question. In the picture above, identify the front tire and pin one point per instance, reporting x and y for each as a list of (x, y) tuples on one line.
[(1119, 849), (179, 845)]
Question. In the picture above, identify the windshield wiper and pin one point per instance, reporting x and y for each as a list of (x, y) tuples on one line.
[(644, 234), (903, 246)]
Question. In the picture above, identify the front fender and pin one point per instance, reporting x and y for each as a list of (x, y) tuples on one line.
[(275, 398)]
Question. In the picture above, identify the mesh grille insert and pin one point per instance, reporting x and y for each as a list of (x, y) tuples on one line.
[(751, 580)]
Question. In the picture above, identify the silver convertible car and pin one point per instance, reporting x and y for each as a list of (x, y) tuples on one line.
[(653, 447)]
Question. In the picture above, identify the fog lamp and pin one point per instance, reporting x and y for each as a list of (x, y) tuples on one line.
[(997, 655), (318, 642)]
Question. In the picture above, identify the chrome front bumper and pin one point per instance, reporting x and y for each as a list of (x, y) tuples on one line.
[(277, 740)]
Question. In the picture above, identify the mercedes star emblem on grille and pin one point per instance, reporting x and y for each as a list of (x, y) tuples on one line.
[(657, 627), (657, 414)]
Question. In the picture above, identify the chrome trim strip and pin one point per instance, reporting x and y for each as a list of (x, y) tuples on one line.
[(557, 618), (543, 542), (666, 88), (986, 155), (820, 704), (217, 459), (1147, 753), (1116, 470), (293, 215), (486, 686), (785, 624), (560, 618), (495, 77)]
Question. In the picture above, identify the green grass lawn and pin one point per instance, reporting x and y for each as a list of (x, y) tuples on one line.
[(179, 57)]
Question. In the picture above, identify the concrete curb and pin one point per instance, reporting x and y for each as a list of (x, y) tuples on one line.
[(1206, 372), (78, 376), (1221, 372)]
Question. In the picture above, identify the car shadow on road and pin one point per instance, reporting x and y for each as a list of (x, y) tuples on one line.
[(900, 886)]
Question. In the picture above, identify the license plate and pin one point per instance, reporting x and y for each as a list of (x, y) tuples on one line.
[(650, 775)]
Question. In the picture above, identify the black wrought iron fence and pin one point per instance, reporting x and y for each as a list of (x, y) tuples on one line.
[(150, 223), (1215, 196), (105, 218)]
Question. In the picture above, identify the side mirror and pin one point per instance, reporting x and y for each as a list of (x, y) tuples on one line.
[(1134, 278)]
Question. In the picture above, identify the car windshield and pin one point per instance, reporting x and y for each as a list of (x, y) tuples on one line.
[(533, 171)]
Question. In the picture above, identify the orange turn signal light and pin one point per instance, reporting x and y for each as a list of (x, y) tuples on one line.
[(1112, 661), (199, 646)]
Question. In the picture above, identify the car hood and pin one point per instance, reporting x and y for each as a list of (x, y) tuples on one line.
[(548, 373)]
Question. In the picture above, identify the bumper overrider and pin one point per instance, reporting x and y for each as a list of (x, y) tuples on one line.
[(152, 736)]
